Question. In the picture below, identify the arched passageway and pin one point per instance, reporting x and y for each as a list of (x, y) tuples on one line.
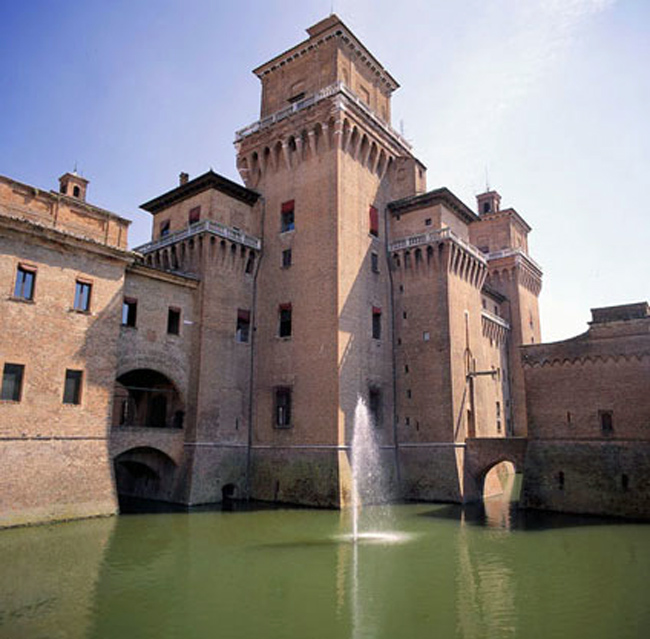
[(145, 473), (146, 398)]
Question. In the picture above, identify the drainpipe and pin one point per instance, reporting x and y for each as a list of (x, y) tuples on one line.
[(251, 379), (393, 350)]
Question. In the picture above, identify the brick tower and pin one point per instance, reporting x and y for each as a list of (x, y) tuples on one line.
[(320, 155)]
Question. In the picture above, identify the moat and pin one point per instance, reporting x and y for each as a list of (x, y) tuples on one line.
[(281, 573)]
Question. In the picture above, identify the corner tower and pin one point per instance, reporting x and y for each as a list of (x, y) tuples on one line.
[(322, 155)]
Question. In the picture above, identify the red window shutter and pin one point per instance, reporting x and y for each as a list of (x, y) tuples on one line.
[(287, 206), (243, 315), (374, 221), (285, 307), (376, 310)]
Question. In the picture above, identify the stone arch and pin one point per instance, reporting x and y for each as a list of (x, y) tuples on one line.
[(266, 159), (305, 150), (147, 398), (331, 131), (144, 472), (381, 162), (372, 157), (345, 134), (318, 137), (277, 155), (354, 142), (364, 147)]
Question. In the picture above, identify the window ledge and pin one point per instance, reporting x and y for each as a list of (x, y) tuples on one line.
[(281, 338), (20, 300), (79, 311), (133, 328)]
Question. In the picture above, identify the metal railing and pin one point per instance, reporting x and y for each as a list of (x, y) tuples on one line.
[(209, 226), (327, 92), (509, 252), (435, 236)]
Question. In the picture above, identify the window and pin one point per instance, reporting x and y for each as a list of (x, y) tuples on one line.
[(286, 258), (194, 215), (374, 262), (12, 382), (427, 222), (282, 407), (243, 325), (374, 405), (374, 222), (606, 421), (76, 191), (409, 394), (486, 207), (376, 322), (560, 480), (164, 228), (82, 296), (426, 336), (129, 311), (288, 222), (72, 388), (24, 288), (285, 320), (296, 98), (173, 321)]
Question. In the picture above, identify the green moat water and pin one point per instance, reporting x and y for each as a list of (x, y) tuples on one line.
[(288, 574)]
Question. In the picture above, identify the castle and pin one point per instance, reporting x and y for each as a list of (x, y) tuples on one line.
[(225, 357)]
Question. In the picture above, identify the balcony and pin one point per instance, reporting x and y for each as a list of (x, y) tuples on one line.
[(206, 226), (333, 89)]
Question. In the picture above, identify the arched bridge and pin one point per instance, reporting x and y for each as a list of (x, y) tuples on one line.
[(482, 454)]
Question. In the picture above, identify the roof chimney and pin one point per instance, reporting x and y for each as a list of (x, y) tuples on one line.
[(183, 178)]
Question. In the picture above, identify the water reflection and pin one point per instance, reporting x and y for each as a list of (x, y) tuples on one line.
[(458, 572), (48, 578)]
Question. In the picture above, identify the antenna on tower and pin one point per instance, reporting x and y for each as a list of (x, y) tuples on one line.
[(332, 8), (487, 179)]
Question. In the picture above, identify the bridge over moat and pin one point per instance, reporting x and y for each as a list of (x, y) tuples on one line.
[(482, 454)]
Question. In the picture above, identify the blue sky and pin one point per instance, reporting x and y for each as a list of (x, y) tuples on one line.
[(550, 95)]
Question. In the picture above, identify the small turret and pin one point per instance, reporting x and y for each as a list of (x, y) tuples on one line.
[(488, 202), (73, 185)]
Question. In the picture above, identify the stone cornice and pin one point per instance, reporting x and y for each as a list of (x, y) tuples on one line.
[(332, 27), (137, 268), (442, 195), (66, 238), (209, 180), (60, 197)]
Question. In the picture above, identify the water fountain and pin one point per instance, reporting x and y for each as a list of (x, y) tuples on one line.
[(370, 514)]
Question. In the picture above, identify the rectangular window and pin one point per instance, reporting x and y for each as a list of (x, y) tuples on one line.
[(243, 325), (164, 228), (194, 215), (427, 222), (376, 322), (72, 388), (606, 421), (173, 321), (129, 311), (286, 258), (285, 320), (12, 382), (282, 407), (374, 221), (374, 405), (374, 262), (288, 222), (25, 278), (82, 296)]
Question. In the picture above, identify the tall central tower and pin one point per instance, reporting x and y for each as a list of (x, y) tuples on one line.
[(321, 155)]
